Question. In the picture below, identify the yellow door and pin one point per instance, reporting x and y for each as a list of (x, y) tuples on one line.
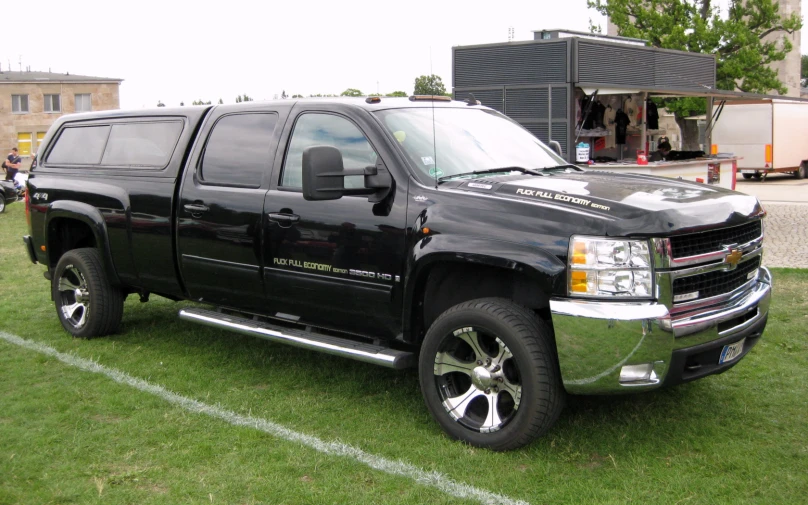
[(24, 144)]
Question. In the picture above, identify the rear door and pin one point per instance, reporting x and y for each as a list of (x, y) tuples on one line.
[(220, 209)]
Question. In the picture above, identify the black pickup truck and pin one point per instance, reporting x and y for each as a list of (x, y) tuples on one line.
[(403, 232)]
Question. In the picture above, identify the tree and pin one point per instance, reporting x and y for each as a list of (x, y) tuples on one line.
[(243, 98), (429, 85), (283, 94), (804, 70), (200, 102), (220, 101), (397, 93), (297, 96), (160, 103), (182, 104), (351, 92), (741, 39)]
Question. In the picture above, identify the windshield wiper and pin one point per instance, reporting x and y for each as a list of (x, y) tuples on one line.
[(523, 170)]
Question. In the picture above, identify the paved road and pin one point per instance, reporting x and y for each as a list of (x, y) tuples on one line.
[(786, 201)]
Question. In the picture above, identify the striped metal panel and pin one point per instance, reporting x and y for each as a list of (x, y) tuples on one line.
[(534, 63), (672, 70), (625, 65), (494, 98), (559, 131), (540, 130), (560, 104), (531, 103)]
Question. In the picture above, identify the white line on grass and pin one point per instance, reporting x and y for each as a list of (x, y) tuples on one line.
[(425, 478)]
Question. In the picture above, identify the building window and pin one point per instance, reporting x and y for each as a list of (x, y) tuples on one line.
[(53, 103), (83, 102), (19, 104)]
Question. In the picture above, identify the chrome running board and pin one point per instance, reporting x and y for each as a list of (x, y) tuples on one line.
[(378, 355)]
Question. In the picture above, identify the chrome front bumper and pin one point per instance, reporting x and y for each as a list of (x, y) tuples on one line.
[(597, 340)]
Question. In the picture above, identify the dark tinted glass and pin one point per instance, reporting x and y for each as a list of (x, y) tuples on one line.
[(147, 145), (80, 145), (327, 130), (237, 152)]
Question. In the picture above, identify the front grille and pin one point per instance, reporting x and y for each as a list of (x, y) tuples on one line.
[(710, 241), (715, 283)]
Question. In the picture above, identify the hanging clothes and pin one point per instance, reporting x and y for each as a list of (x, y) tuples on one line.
[(630, 108), (599, 110), (621, 122), (587, 111), (608, 121), (652, 115)]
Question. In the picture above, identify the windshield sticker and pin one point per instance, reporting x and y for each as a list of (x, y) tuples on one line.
[(560, 197), (480, 186), (435, 172), (427, 160)]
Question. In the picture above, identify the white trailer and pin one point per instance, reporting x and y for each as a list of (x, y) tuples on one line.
[(768, 135)]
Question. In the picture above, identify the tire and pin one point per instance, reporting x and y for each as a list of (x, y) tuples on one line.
[(747, 176), (758, 176), (87, 304), (487, 352), (802, 172), (2, 203)]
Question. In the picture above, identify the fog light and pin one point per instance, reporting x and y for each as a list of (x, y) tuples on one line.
[(639, 373)]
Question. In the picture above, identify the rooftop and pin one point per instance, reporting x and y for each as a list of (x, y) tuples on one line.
[(11, 76)]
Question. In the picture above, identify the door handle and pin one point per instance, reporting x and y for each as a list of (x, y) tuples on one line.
[(195, 208), (280, 217)]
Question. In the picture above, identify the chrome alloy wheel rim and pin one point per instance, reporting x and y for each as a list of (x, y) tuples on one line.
[(75, 296), (477, 379)]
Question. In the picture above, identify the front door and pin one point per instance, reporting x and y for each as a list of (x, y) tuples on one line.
[(220, 210), (335, 263)]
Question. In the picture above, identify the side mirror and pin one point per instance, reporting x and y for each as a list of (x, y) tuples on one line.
[(556, 147), (324, 176)]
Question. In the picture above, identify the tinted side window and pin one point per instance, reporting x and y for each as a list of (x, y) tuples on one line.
[(142, 144), (237, 151), (80, 145), (327, 130)]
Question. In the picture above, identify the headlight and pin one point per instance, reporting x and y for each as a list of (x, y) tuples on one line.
[(609, 267)]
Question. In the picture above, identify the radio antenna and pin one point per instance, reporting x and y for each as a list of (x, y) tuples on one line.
[(434, 136)]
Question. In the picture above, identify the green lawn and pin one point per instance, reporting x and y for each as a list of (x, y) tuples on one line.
[(69, 436)]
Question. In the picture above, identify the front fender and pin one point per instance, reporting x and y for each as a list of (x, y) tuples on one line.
[(69, 209), (541, 266)]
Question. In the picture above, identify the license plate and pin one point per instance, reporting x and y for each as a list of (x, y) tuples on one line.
[(730, 352)]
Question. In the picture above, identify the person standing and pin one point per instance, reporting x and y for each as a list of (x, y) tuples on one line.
[(12, 164)]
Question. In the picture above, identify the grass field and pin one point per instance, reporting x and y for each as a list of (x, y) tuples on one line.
[(69, 436)]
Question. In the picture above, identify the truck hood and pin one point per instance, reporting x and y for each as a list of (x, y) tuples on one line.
[(630, 203)]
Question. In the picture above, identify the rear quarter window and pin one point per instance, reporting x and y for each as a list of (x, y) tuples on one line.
[(80, 145)]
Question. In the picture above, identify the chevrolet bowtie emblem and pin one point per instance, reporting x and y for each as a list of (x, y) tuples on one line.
[(733, 258)]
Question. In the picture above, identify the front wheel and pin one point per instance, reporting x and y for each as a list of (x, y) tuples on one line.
[(2, 203), (87, 304), (747, 176), (802, 172), (489, 374)]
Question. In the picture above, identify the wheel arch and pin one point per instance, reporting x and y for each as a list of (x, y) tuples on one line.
[(72, 225), (446, 271)]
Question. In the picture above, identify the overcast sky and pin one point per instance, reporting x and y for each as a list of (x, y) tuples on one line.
[(177, 51)]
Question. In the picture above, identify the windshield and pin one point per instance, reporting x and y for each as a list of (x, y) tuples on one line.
[(468, 140)]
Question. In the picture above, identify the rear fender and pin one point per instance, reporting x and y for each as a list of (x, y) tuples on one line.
[(89, 215)]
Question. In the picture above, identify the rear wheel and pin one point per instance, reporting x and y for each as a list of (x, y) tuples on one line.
[(87, 304), (802, 172), (747, 176), (489, 375), (758, 176), (2, 202)]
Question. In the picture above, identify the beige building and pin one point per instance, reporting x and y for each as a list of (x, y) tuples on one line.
[(30, 102)]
